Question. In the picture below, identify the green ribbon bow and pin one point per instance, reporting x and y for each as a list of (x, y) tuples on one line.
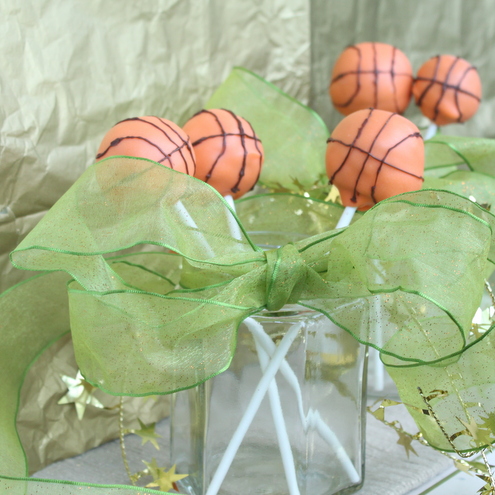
[(406, 278)]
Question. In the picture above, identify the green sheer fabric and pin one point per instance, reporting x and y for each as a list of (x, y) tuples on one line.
[(134, 335), (446, 151), (34, 313), (32, 486), (462, 165), (405, 277), (294, 136)]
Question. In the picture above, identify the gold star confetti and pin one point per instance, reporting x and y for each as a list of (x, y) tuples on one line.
[(164, 480), (481, 435), (148, 434), (334, 195), (478, 431), (405, 440), (152, 468), (80, 393), (488, 422)]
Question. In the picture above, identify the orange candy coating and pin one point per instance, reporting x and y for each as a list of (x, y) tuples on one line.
[(373, 155), (229, 155), (371, 74), (150, 137), (447, 89)]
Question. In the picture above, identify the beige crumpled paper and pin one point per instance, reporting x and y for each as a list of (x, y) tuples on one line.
[(70, 70), (52, 431)]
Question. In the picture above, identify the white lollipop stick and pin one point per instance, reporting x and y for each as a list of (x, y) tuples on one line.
[(277, 413), (346, 217), (187, 219), (378, 368), (313, 418), (431, 130), (378, 371), (235, 230), (252, 409)]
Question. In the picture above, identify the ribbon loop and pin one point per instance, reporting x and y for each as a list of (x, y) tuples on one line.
[(285, 276)]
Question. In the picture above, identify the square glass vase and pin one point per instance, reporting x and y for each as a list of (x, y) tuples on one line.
[(305, 433)]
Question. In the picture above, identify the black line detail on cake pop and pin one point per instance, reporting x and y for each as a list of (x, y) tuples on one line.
[(185, 143), (356, 185), (383, 162), (376, 72), (242, 134), (166, 156), (451, 86), (178, 147), (446, 85), (351, 146), (260, 153), (117, 141), (235, 189), (456, 93), (222, 134), (358, 78), (444, 89), (368, 154), (392, 80)]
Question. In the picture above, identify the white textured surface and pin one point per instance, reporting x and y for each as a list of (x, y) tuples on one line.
[(388, 469)]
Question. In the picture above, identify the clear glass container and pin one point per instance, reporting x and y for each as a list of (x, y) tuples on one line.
[(308, 435)]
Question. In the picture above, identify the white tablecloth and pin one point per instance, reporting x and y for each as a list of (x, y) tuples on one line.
[(389, 471)]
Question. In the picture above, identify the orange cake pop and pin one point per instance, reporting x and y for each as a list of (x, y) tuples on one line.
[(371, 74), (150, 137), (229, 155), (447, 89), (372, 155)]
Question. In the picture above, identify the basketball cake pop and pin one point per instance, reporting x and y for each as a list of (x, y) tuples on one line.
[(153, 138), (371, 74), (150, 137), (229, 155), (372, 155), (447, 89)]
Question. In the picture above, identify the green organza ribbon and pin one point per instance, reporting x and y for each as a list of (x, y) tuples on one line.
[(406, 278), (34, 315), (294, 136), (464, 165)]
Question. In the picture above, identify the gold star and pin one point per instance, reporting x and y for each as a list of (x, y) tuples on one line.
[(164, 480), (152, 468), (488, 422), (80, 393), (148, 434), (405, 440), (481, 433)]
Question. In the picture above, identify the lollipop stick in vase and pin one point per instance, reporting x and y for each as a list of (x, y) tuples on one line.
[(312, 418), (235, 230), (373, 155), (276, 408), (252, 409), (447, 90), (229, 157)]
